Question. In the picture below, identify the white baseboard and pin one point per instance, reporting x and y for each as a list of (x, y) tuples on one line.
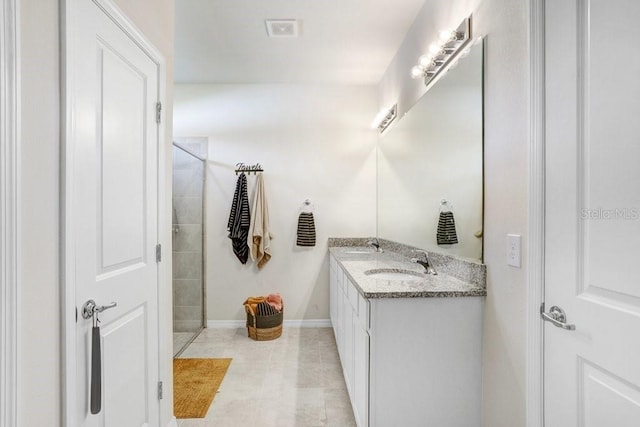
[(173, 422), (226, 324), (304, 323)]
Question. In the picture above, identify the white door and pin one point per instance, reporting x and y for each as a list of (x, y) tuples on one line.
[(111, 218), (592, 236)]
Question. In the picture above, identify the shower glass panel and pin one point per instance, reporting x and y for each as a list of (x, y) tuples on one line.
[(189, 163)]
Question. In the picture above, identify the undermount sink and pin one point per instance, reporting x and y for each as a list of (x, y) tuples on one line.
[(359, 251), (393, 274)]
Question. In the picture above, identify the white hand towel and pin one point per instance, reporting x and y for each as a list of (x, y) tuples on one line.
[(259, 239)]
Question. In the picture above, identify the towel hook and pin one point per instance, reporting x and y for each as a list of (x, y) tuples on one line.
[(308, 205), (446, 206)]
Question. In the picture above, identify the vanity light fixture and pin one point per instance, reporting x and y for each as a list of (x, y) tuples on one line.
[(442, 54), (384, 118)]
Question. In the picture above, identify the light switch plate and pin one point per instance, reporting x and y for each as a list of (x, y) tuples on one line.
[(513, 250)]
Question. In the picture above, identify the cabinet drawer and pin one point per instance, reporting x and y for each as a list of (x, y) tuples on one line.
[(363, 312)]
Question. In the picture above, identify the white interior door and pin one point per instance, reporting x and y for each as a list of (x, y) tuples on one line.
[(592, 236), (111, 217)]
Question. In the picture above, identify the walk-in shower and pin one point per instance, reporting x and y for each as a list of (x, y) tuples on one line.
[(189, 176)]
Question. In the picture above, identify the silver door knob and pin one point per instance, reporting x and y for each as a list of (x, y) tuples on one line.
[(90, 308), (557, 317)]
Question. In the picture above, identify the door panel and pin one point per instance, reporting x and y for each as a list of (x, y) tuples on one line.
[(122, 147), (112, 182), (611, 127), (602, 389), (125, 378), (592, 226)]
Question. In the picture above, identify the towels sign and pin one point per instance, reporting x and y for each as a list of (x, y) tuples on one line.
[(241, 167)]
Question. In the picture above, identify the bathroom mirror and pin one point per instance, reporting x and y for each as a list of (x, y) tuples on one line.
[(430, 161)]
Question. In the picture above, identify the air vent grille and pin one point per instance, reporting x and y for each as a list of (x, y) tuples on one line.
[(282, 27)]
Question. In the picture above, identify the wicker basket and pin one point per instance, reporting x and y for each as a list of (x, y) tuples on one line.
[(264, 328)]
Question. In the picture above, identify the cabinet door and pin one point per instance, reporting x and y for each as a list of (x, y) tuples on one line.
[(361, 375), (333, 285), (348, 345), (339, 325)]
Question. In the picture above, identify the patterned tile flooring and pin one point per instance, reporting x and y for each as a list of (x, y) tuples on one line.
[(293, 381)]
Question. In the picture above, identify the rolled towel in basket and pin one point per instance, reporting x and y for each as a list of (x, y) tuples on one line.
[(275, 300), (252, 303), (265, 309)]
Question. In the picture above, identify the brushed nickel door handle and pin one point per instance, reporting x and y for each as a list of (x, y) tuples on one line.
[(557, 317)]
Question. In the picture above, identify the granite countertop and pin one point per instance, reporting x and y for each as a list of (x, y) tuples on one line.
[(357, 260)]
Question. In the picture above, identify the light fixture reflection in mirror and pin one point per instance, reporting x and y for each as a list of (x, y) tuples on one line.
[(443, 54), (434, 152)]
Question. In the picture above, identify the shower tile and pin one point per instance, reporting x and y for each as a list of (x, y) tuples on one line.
[(196, 145), (187, 182), (188, 209), (186, 325), (187, 312), (188, 238), (180, 339), (187, 265), (187, 292), (184, 160)]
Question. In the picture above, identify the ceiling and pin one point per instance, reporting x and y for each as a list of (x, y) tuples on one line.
[(340, 41)]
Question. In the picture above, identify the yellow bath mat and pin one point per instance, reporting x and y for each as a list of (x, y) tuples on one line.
[(195, 383)]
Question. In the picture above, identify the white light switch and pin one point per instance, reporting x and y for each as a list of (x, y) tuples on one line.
[(513, 250)]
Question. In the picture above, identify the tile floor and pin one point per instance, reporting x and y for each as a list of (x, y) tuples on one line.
[(180, 339), (293, 381)]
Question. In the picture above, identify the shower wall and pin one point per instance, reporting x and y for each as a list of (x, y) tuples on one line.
[(188, 233)]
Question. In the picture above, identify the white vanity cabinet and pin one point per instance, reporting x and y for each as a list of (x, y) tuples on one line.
[(349, 313), (410, 361)]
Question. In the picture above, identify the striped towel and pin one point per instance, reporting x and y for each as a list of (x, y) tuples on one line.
[(239, 220), (265, 309), (446, 234), (306, 230)]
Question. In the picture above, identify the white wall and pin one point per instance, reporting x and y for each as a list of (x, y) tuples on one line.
[(313, 142), (504, 24), (40, 387), (40, 287)]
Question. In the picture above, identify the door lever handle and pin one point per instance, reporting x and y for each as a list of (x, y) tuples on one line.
[(90, 308), (557, 317)]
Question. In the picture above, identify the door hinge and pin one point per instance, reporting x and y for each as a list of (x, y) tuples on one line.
[(160, 390), (158, 252), (158, 111)]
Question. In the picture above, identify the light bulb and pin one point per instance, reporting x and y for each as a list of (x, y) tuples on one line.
[(425, 61), (417, 72), (445, 35), (434, 48)]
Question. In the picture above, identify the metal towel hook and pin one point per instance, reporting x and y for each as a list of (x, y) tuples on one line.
[(446, 206)]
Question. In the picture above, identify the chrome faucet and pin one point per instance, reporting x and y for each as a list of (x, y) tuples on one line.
[(426, 263), (375, 243)]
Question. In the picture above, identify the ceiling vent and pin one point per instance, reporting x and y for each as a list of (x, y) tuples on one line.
[(282, 27)]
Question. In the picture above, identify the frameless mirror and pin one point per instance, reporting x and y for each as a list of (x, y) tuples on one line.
[(430, 176)]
